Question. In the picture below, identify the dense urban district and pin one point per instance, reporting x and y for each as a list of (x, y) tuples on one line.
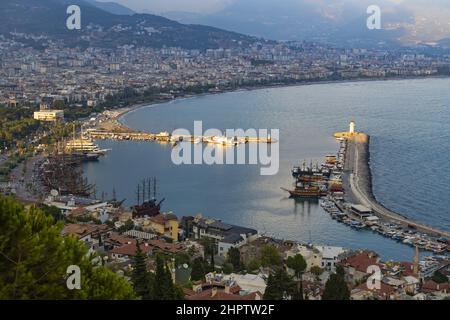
[(51, 218)]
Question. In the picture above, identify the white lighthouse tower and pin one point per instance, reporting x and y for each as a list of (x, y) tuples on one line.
[(352, 126)]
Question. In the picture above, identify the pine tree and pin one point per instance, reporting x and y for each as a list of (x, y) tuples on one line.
[(34, 258), (164, 288), (280, 285), (298, 264), (234, 257), (140, 276), (336, 288), (198, 270)]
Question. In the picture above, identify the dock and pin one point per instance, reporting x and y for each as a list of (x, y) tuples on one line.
[(358, 182), (96, 134)]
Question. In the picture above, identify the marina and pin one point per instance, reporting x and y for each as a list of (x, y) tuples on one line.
[(327, 183), (165, 136), (258, 201)]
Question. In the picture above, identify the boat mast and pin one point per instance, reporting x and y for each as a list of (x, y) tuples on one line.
[(149, 183), (138, 193), (143, 190)]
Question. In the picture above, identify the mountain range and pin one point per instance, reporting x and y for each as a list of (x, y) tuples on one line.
[(112, 7), (103, 27), (342, 22)]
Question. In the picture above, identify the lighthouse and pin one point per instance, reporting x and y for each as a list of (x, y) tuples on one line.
[(352, 127)]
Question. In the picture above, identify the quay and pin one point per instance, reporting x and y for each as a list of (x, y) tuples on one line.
[(96, 134), (357, 181)]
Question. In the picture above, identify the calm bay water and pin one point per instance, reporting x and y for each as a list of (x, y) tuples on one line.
[(408, 120)]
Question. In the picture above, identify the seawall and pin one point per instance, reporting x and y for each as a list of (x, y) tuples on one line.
[(358, 178)]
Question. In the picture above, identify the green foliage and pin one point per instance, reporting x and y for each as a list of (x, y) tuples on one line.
[(438, 277), (254, 265), (129, 225), (140, 276), (227, 268), (153, 286), (336, 288), (198, 269), (53, 211), (316, 270), (182, 258), (234, 257), (163, 286), (280, 285), (34, 258), (270, 257), (15, 125), (210, 250), (296, 263)]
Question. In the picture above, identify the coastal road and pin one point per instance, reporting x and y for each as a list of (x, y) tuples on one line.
[(359, 179)]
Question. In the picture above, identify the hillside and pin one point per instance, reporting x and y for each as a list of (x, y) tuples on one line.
[(101, 28)]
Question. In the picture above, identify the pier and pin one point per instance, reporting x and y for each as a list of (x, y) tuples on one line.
[(96, 134), (358, 182)]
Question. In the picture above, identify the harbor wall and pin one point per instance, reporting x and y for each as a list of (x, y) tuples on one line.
[(359, 176)]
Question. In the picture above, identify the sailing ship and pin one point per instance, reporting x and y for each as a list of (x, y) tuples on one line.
[(306, 191), (84, 148)]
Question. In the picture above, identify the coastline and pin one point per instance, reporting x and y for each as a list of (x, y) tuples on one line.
[(360, 185), (123, 111)]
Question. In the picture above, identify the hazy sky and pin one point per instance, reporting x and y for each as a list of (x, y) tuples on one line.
[(201, 6), (208, 6)]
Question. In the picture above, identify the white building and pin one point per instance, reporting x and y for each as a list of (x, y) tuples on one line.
[(330, 256), (49, 115)]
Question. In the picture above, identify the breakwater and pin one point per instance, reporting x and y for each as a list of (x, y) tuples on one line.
[(358, 182)]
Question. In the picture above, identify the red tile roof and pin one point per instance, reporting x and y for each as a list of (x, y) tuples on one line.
[(82, 230), (384, 291), (431, 286), (130, 249), (361, 261), (162, 218)]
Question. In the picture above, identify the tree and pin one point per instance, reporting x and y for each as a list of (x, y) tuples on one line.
[(439, 277), (227, 268), (34, 259), (336, 288), (280, 285), (298, 264), (198, 270), (270, 257), (140, 276), (254, 265), (234, 257), (129, 225), (55, 212), (164, 288), (316, 270), (182, 258), (210, 249)]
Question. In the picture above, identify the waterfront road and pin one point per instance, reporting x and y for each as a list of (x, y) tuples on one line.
[(358, 177)]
